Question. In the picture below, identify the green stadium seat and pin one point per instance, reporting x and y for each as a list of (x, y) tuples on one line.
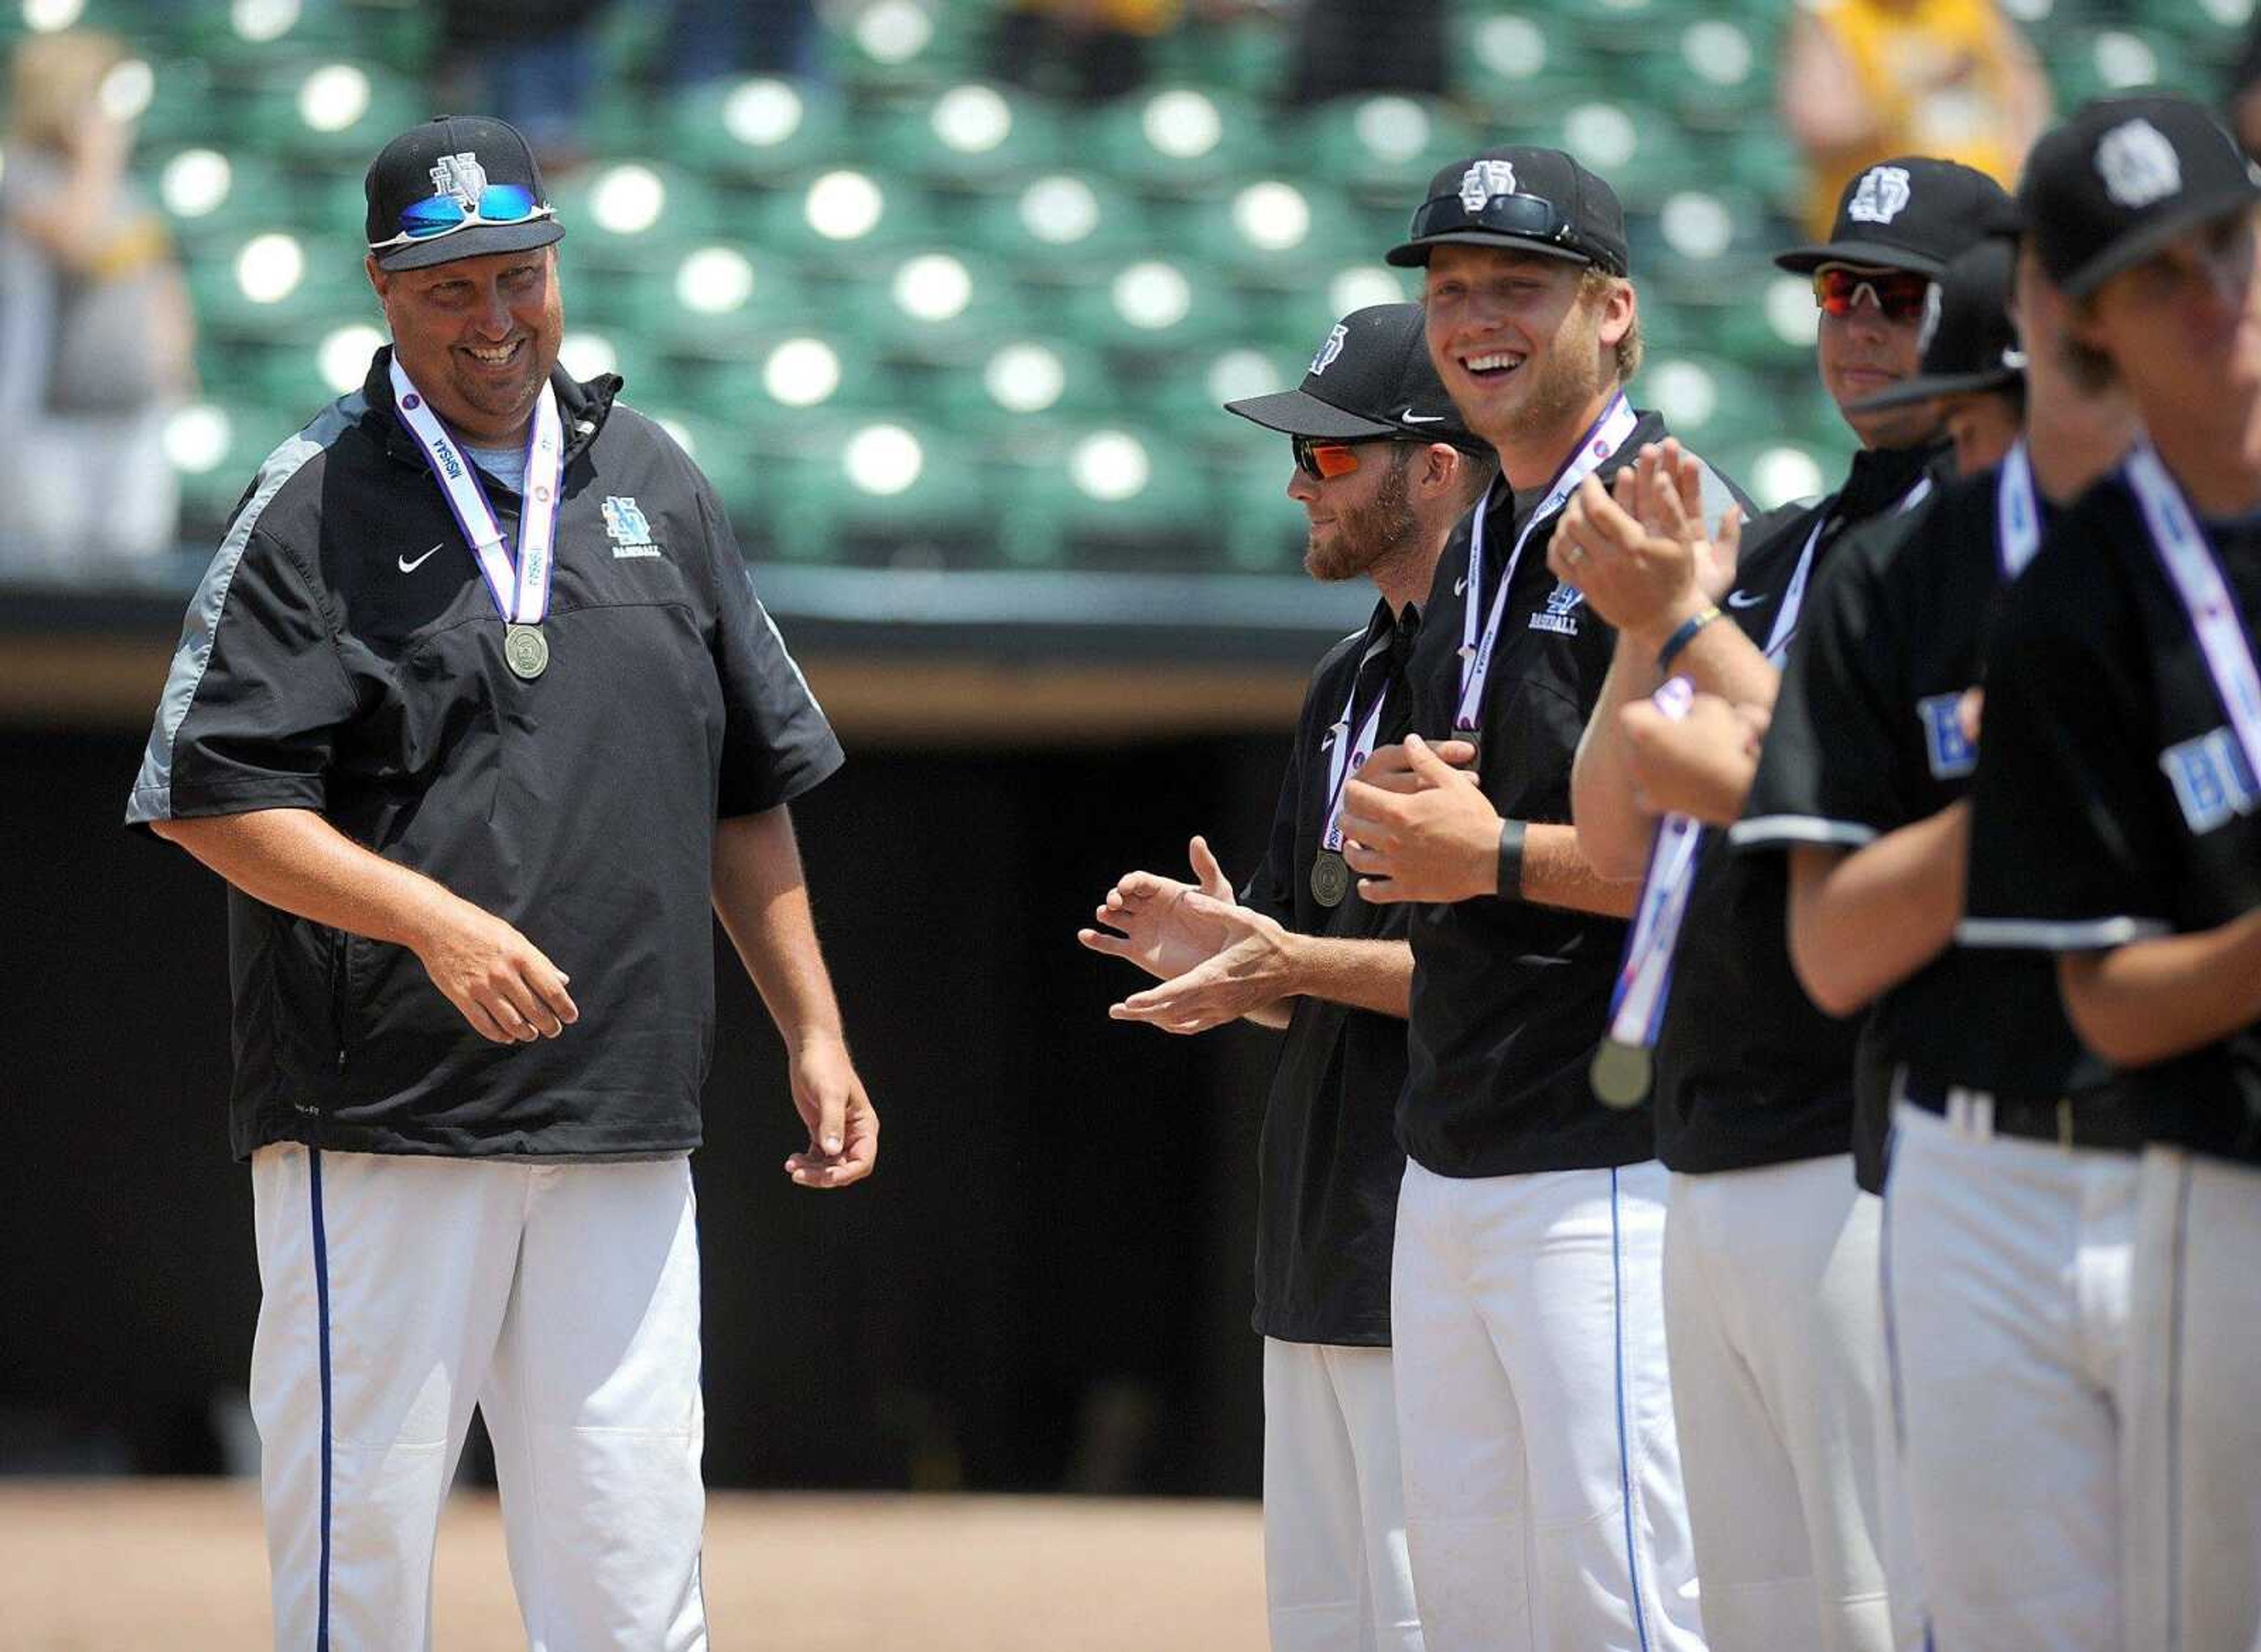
[(1248, 55), (1264, 531), (207, 192), (1712, 403), (216, 444), (1718, 77), (1116, 499), (1383, 149), (721, 300), (180, 114), (1626, 28), (757, 129), (798, 380), (626, 215), (1188, 399), (1704, 246), (325, 116), (251, 34), (2086, 63), (1272, 234), (255, 282), (936, 306), (897, 48), (1638, 147), (1521, 69), (1156, 308), (968, 136), (1178, 140), (844, 221), (1061, 226), (1025, 386), (882, 492)]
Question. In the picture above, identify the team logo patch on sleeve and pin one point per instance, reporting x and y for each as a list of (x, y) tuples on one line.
[(2213, 782), (1951, 752), (1559, 615), (624, 522)]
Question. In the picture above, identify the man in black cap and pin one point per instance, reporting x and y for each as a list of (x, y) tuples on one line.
[(476, 713), (1383, 468), (2116, 815), (1771, 1255), (1972, 371), (2007, 1250), (1543, 1504)]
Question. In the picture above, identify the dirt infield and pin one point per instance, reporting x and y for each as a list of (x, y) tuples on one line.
[(105, 1566)]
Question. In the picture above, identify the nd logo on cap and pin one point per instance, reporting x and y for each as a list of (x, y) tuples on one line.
[(1883, 195), (1329, 350), (2138, 165), (1483, 179), (462, 177)]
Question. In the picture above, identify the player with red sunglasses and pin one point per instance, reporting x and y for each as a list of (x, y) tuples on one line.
[(1771, 1249)]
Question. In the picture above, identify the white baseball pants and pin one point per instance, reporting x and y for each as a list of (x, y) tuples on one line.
[(1542, 1479), (1772, 1306), (2193, 1466), (564, 1301), (1336, 1578), (2008, 1263)]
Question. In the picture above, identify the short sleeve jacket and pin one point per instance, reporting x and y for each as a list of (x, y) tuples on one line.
[(342, 654), (2112, 800)]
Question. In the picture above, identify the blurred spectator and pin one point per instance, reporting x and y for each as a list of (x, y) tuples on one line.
[(95, 327), (1367, 46), (2244, 102), (1865, 80), (531, 62), (1098, 47), (707, 40)]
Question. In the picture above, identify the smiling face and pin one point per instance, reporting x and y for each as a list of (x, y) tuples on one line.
[(1358, 519), (1525, 347), (478, 337), (1864, 353)]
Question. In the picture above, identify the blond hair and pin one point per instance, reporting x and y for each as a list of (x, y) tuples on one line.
[(1595, 285), (56, 80)]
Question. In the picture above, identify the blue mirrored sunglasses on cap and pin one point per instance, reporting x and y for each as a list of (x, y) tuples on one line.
[(444, 214)]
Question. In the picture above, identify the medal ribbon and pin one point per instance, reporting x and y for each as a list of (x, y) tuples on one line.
[(521, 589), (1637, 1005), (1350, 757), (2017, 512), (2197, 576), (1603, 437)]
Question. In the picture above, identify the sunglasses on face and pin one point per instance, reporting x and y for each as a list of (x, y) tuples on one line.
[(1324, 461), (444, 214), (1900, 294)]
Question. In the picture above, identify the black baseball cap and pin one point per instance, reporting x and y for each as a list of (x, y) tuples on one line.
[(1913, 212), (1969, 344), (1524, 200), (1371, 378), (461, 156), (2123, 178)]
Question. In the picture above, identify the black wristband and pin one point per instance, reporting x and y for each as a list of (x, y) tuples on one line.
[(1685, 636), (1511, 859)]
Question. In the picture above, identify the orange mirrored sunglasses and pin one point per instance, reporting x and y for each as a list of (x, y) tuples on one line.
[(1325, 460)]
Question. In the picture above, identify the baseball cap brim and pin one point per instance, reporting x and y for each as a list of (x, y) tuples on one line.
[(1805, 261), (1297, 412), (1413, 254), (2128, 251), (1925, 388), (477, 241)]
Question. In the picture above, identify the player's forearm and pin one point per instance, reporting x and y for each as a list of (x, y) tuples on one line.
[(1556, 873), (2151, 1001), (1613, 832), (761, 896), (1719, 660), (1377, 975), (297, 862), (1862, 922)]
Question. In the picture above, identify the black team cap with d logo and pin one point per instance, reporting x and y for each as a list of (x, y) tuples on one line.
[(1520, 199), (461, 165), (2122, 178), (1371, 380), (1969, 344), (1914, 211)]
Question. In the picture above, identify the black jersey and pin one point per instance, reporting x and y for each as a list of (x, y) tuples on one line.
[(1508, 997), (1329, 1164), (2112, 799), (1747, 1071), (1867, 739)]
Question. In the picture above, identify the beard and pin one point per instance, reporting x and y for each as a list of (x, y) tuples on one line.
[(1368, 535), (1567, 378)]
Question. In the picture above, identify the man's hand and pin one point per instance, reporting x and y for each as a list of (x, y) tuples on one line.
[(1434, 836), (1146, 918), (1701, 764), (1253, 970), (1391, 769), (1641, 552), (500, 981), (844, 1127)]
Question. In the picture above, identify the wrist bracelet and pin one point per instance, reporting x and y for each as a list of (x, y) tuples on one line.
[(1511, 859), (1685, 636)]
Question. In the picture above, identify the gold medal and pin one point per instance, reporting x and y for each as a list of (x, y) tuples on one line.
[(1330, 878), (525, 651), (1620, 1072)]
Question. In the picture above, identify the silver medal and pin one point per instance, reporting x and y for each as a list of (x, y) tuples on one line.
[(526, 650), (1330, 878)]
